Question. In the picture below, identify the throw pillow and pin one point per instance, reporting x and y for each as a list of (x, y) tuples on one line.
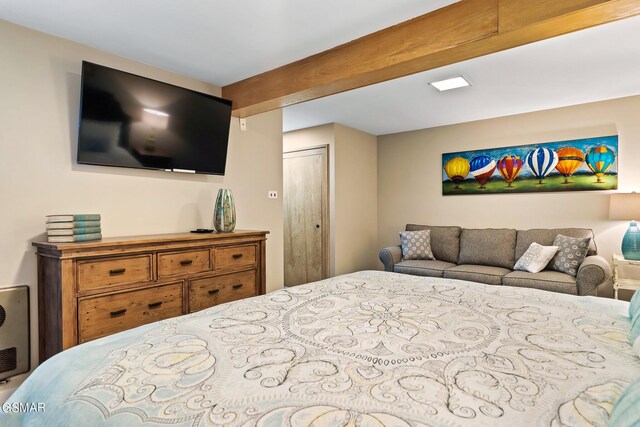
[(634, 304), (635, 329), (570, 255), (416, 245), (625, 411), (536, 258), (636, 347)]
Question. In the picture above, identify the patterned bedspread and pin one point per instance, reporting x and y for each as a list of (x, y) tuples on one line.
[(364, 349)]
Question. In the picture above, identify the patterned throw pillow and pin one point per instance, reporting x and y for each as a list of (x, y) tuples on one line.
[(536, 258), (416, 244), (570, 255)]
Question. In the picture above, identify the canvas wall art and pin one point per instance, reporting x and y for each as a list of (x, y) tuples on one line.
[(577, 165)]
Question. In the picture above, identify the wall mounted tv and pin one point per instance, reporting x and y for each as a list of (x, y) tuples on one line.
[(132, 121)]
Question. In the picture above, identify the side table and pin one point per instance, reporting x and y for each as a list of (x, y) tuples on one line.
[(626, 274)]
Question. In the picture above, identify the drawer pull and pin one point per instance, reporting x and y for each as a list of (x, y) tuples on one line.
[(236, 256), (118, 312), (155, 304), (116, 271), (186, 262), (214, 291), (238, 286)]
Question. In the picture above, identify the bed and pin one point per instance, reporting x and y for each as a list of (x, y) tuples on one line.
[(367, 349)]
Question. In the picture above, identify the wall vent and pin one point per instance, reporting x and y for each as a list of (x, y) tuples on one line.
[(8, 359), (14, 331)]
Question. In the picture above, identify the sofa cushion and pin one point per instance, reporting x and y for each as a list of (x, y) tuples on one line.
[(547, 280), (433, 268), (416, 244), (477, 273), (545, 237), (494, 247), (445, 241)]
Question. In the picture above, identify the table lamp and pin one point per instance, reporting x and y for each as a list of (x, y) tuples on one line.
[(626, 207)]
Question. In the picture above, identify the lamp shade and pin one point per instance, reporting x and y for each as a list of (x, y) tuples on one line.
[(624, 207)]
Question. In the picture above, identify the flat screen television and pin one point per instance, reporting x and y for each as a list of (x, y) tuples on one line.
[(136, 122)]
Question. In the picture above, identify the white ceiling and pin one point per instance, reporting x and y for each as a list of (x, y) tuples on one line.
[(217, 41), (591, 65), (223, 41)]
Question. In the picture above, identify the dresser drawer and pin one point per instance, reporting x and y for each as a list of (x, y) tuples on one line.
[(106, 315), (183, 262), (234, 256), (95, 274), (209, 291)]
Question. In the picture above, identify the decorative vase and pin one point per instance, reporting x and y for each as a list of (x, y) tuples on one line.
[(631, 242), (224, 214)]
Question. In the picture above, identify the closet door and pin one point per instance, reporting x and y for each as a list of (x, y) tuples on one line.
[(305, 216)]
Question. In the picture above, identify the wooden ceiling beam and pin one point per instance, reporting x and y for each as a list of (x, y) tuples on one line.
[(461, 31)]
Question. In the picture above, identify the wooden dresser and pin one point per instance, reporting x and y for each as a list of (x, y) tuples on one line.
[(92, 289)]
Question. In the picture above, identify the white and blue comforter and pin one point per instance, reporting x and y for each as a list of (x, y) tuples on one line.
[(365, 349)]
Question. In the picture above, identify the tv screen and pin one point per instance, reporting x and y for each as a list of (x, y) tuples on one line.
[(132, 121)]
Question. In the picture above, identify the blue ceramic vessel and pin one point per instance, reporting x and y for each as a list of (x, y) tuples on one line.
[(631, 242)]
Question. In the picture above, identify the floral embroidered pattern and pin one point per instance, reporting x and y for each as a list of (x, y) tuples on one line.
[(371, 348)]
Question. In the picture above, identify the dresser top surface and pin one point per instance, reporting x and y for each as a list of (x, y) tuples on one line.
[(150, 239)]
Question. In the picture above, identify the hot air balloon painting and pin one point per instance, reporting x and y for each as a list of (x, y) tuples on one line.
[(599, 159), (482, 167), (541, 162), (569, 160), (457, 170), (550, 166), (509, 167)]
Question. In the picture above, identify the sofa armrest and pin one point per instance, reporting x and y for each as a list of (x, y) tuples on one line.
[(390, 256), (594, 271)]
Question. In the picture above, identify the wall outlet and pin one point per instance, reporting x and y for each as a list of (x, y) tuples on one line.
[(243, 124), (272, 194)]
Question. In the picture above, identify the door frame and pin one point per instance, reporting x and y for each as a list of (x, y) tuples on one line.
[(326, 223)]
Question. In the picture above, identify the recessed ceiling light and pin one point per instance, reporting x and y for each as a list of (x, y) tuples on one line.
[(452, 83)]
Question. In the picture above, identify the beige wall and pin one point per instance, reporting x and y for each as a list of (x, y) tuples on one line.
[(310, 137), (352, 192), (409, 173), (355, 228), (40, 77)]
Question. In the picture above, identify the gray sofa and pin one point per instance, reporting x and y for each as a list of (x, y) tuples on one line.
[(488, 256)]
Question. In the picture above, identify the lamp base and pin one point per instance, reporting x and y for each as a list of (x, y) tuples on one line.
[(631, 242)]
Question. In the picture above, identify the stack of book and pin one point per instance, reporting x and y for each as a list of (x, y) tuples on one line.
[(73, 228)]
